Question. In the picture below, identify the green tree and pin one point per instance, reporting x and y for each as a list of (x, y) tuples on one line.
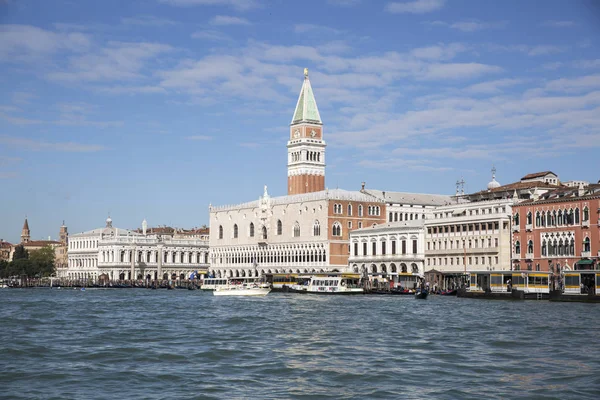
[(20, 253), (4, 265), (20, 267), (43, 261)]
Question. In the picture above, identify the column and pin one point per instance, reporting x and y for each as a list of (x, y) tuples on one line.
[(160, 259), (133, 263)]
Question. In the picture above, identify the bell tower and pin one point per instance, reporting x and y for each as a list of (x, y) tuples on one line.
[(25, 232), (306, 147)]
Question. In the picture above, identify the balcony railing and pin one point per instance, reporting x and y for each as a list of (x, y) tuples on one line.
[(529, 227), (585, 224), (586, 254), (516, 256), (529, 256), (515, 228)]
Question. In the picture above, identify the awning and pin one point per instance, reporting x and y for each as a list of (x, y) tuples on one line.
[(585, 262)]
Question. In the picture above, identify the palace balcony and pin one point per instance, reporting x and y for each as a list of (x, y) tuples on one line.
[(516, 228), (529, 256), (516, 256), (586, 254), (528, 227), (585, 224)]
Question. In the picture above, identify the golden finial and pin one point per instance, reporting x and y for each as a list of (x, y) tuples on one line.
[(306, 72)]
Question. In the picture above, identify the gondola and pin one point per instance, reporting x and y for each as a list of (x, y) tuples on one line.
[(421, 294)]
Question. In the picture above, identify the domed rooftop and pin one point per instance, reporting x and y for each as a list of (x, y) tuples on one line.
[(493, 183)]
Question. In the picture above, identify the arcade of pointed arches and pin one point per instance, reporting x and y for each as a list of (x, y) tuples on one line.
[(386, 269)]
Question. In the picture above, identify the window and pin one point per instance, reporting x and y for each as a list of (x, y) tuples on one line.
[(336, 229), (374, 248), (516, 219), (235, 231), (349, 225), (360, 210), (404, 247), (220, 231), (586, 214), (264, 232), (577, 216), (337, 208), (251, 229), (383, 248), (393, 247), (279, 227), (530, 246), (529, 218), (349, 209), (296, 229), (518, 248), (365, 248), (414, 246), (537, 219), (316, 229), (586, 244), (355, 249), (359, 224)]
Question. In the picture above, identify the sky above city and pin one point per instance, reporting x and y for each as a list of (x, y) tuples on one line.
[(157, 108)]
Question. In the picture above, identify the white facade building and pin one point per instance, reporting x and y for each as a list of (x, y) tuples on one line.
[(289, 234), (469, 236), (389, 249), (122, 254)]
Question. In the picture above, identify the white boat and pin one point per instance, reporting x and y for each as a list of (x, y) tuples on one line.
[(338, 285), (243, 289)]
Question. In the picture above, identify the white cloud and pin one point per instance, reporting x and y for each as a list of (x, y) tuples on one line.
[(558, 24), (344, 3), (316, 29), (472, 26), (211, 35), (241, 5), (458, 70), (492, 86), (228, 20), (587, 63), (147, 20), (544, 50), (415, 7), (37, 145), (117, 61), (574, 84), (199, 137), (29, 43), (439, 52)]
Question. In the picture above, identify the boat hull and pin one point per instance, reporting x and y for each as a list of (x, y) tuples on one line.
[(241, 292)]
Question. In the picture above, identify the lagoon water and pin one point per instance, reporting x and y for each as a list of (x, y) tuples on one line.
[(159, 344)]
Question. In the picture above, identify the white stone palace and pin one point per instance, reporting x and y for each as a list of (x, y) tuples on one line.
[(121, 254), (305, 231)]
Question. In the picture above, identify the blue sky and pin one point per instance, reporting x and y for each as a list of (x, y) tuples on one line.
[(156, 108)]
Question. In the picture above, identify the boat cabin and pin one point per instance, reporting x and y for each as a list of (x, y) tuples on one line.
[(581, 282), (506, 281)]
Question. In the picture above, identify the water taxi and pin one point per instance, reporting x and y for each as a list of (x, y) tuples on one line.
[(213, 283), (330, 284), (579, 286), (243, 289)]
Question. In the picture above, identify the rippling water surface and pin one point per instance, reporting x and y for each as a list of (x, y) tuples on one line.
[(158, 344)]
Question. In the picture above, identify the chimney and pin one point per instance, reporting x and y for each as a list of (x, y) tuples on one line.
[(362, 189), (383, 195)]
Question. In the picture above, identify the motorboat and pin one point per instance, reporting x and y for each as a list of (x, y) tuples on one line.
[(332, 284), (243, 289)]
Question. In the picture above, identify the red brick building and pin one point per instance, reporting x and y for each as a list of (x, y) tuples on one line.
[(557, 230)]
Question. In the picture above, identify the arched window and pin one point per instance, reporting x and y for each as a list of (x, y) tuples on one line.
[(518, 248), (337, 229), (576, 215), (316, 229), (349, 209), (559, 217), (530, 247), (296, 229), (279, 227), (360, 210), (572, 247), (264, 232), (586, 244), (516, 219), (548, 219), (544, 248), (537, 219), (235, 231), (220, 231), (586, 214), (529, 218), (251, 229)]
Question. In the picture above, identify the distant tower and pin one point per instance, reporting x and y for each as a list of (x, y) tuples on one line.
[(25, 232), (63, 234), (144, 226), (306, 147), (108, 222)]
